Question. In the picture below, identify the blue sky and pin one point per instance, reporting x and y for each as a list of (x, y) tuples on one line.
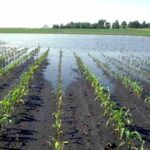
[(36, 13)]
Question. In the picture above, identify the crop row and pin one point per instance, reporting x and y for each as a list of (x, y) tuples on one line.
[(9, 56), (130, 84), (119, 117), (9, 51), (10, 67), (16, 96), (140, 61), (137, 63), (133, 85), (129, 69), (58, 142)]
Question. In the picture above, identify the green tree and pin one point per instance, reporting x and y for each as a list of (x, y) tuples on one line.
[(94, 25), (62, 26), (101, 23), (107, 25), (72, 25), (129, 25), (144, 24), (115, 25), (134, 24), (124, 24), (55, 26)]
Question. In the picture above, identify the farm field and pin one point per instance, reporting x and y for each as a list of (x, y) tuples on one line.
[(129, 31), (69, 92)]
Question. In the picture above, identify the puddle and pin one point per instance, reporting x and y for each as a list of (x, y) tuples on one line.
[(69, 68), (51, 72), (104, 80)]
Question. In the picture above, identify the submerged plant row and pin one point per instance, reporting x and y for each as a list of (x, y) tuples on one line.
[(123, 74), (62, 116), (11, 66), (129, 83), (128, 68), (9, 55)]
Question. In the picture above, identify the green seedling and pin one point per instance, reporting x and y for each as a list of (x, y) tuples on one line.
[(15, 97), (119, 117)]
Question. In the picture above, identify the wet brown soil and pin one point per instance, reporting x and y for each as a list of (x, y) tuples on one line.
[(11, 79), (84, 124), (32, 121), (139, 110)]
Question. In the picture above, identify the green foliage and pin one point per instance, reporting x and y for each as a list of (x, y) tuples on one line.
[(136, 32), (132, 85), (101, 24), (107, 25), (124, 24), (147, 99), (116, 25), (11, 66), (134, 24), (119, 117), (58, 142), (126, 81), (15, 97), (2, 60)]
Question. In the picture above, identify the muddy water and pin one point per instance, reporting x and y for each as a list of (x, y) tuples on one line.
[(97, 71), (82, 45), (69, 68), (51, 72), (80, 42)]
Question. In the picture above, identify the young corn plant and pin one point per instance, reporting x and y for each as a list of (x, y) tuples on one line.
[(132, 85), (10, 67), (11, 55), (58, 142), (15, 97), (119, 117), (147, 99), (2, 61)]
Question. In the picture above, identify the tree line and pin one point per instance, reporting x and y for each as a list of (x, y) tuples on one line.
[(103, 24)]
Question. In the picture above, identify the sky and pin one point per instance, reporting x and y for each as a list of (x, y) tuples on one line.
[(36, 13)]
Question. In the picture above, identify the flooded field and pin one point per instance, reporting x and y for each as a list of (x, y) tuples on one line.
[(83, 92)]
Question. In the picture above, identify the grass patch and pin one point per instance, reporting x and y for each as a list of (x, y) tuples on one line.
[(136, 32)]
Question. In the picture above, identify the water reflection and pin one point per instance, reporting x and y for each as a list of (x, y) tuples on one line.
[(82, 45), (80, 42)]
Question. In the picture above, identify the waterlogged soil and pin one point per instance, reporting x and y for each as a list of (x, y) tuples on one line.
[(10, 80), (32, 122), (139, 110), (84, 124)]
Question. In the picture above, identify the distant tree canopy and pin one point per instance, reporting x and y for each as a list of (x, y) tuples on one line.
[(134, 24), (102, 24), (116, 25), (124, 25)]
